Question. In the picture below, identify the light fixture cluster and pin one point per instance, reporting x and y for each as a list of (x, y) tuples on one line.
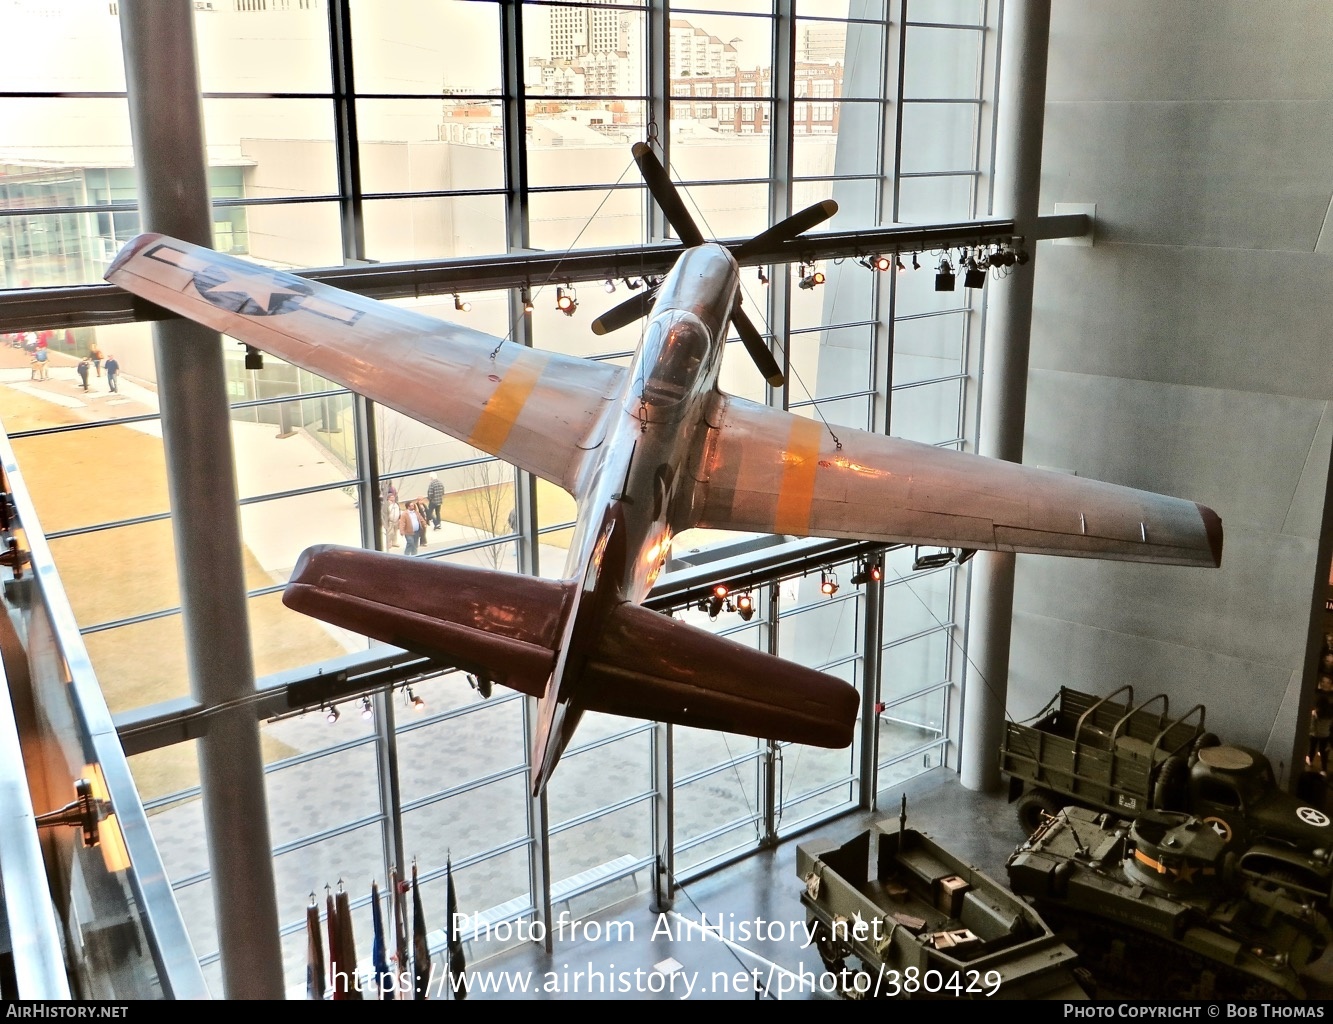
[(721, 600), (367, 707), (975, 262)]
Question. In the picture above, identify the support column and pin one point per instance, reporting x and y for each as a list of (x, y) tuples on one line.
[(166, 121), (1025, 34)]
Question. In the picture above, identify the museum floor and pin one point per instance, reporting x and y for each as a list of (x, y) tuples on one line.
[(619, 948)]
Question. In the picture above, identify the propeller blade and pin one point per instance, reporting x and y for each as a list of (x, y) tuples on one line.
[(787, 229), (636, 307), (664, 191), (754, 344)]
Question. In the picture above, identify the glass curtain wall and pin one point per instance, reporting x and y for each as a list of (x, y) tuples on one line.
[(451, 128)]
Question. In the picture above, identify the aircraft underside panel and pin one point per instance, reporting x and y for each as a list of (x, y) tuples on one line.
[(649, 665), (502, 626), (765, 470), (540, 411)]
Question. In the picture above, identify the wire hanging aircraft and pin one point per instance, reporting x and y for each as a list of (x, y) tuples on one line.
[(647, 451)]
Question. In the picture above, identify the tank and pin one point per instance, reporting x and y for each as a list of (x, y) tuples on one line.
[(1158, 909)]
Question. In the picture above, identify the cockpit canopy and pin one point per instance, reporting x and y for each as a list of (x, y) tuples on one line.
[(674, 351)]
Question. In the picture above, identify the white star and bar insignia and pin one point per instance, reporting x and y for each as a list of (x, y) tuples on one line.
[(251, 292)]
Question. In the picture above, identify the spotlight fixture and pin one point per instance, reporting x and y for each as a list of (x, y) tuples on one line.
[(868, 571), (633, 284), (416, 700), (915, 264), (763, 278), (332, 715), (745, 606), (254, 359), (828, 582), (718, 600), (944, 279), (898, 263), (810, 277), (525, 294), (880, 263), (974, 275), (460, 305), (566, 300), (367, 712), (610, 286), (1021, 257), (932, 560)]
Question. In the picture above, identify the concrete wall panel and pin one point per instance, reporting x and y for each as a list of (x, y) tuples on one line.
[(1173, 173), (1191, 50), (1222, 318)]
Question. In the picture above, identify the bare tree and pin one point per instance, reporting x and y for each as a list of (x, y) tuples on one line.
[(488, 498)]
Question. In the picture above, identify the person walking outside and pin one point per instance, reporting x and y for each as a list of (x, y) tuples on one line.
[(112, 369), (410, 525), (39, 364), (95, 354), (434, 499), (83, 372)]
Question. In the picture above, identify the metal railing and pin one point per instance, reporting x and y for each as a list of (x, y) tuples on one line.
[(123, 933)]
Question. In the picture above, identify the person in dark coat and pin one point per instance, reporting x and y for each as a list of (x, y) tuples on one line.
[(112, 370), (83, 372)]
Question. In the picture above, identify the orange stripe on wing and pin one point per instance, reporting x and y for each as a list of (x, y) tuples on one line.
[(796, 492), (502, 409)]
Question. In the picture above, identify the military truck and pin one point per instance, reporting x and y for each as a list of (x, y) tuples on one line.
[(1110, 754), (895, 915), (1158, 909)]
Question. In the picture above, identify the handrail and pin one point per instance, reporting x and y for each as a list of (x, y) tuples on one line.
[(39, 964), (81, 737)]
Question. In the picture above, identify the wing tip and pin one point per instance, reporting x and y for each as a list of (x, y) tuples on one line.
[(1212, 525), (129, 250)]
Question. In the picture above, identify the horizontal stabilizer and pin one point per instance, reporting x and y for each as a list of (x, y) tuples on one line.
[(648, 665), (497, 624)]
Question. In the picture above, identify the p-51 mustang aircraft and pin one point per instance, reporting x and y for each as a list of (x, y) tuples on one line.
[(646, 452)]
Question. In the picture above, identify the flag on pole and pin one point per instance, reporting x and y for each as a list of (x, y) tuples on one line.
[(347, 945), (336, 978), (457, 963), (314, 943), (383, 979), (420, 948), (398, 910)]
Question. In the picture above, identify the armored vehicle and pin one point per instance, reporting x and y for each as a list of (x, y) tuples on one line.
[(1129, 758), (1163, 911), (894, 914)]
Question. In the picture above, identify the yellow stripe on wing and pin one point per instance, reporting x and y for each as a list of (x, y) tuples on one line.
[(502, 409), (796, 492)]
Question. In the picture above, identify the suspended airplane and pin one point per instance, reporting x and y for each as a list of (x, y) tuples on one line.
[(647, 451)]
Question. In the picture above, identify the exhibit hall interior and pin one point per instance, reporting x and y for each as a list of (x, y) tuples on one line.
[(492, 489)]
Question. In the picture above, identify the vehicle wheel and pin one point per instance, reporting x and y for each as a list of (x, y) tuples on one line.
[(830, 950), (1169, 792), (1033, 806)]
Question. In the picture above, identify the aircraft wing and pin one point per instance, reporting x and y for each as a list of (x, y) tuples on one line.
[(537, 410), (767, 471)]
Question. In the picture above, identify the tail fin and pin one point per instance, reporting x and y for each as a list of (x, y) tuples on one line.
[(648, 665), (494, 623)]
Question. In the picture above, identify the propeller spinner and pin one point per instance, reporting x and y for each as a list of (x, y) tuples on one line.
[(664, 191)]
